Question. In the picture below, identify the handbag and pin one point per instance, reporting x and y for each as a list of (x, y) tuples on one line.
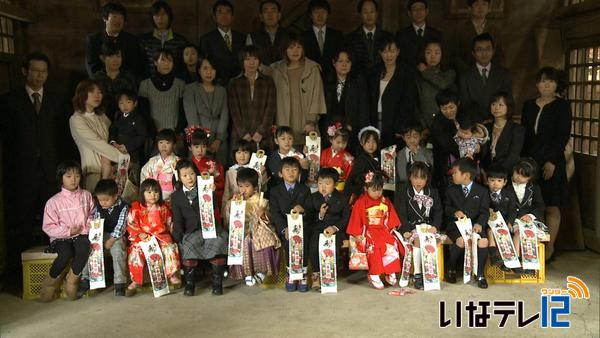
[(358, 254)]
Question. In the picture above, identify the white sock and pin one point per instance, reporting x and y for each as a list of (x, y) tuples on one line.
[(417, 260)]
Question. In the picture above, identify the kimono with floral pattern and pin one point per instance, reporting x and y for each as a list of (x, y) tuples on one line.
[(161, 170)]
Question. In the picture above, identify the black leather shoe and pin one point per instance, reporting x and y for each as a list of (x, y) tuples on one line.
[(120, 290), (190, 283), (419, 281), (451, 276), (482, 283)]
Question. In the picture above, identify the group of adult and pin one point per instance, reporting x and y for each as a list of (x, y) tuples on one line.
[(274, 77)]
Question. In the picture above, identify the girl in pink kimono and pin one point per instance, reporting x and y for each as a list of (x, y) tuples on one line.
[(162, 166)]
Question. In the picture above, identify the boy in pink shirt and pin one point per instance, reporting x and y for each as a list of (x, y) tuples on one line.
[(67, 217)]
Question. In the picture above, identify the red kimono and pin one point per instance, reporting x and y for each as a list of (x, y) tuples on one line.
[(379, 218), (157, 222), (215, 169), (341, 161)]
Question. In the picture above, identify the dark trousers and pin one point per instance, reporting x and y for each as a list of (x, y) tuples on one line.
[(76, 250)]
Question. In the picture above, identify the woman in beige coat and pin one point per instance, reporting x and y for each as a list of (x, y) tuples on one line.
[(89, 128), (300, 96)]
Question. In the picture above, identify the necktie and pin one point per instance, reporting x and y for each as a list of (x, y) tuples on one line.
[(37, 102), (411, 157), (191, 195), (321, 40), (326, 198), (291, 191), (466, 191), (370, 48), (484, 75), (420, 32), (228, 41), (495, 197)]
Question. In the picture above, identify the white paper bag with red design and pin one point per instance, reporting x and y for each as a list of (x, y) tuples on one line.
[(429, 258), (207, 212), (529, 245), (156, 266), (313, 153), (327, 264), (466, 231), (296, 246), (96, 259), (388, 166), (237, 218), (122, 168), (257, 160), (504, 241), (407, 261)]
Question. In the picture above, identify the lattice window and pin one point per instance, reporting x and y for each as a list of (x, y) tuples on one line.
[(584, 95), (7, 35)]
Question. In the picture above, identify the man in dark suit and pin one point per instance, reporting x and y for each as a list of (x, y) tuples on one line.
[(321, 42), (412, 39), (467, 199), (270, 38), (32, 121), (484, 79), (114, 15), (364, 41), (223, 45), (287, 197)]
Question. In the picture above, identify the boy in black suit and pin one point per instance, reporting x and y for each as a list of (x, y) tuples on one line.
[(330, 213), (412, 38), (483, 79), (128, 132), (288, 196), (223, 45), (320, 41), (467, 199), (504, 201)]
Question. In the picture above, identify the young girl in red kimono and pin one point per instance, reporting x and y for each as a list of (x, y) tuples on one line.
[(336, 156), (151, 217), (373, 219), (198, 140)]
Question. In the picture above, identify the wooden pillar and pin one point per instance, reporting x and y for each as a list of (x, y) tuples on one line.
[(390, 12)]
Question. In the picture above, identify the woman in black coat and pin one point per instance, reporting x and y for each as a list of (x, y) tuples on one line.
[(443, 129), (506, 137), (547, 122), (393, 92), (346, 97)]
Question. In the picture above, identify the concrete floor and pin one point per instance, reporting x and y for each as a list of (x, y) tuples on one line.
[(357, 310)]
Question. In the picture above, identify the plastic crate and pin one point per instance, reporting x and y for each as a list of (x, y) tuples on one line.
[(495, 275), (36, 265)]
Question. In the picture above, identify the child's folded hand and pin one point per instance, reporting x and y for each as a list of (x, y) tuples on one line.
[(330, 230), (510, 228), (406, 235), (323, 210), (304, 163), (110, 242), (76, 230), (526, 218), (143, 236), (432, 230), (285, 234), (359, 238), (477, 228)]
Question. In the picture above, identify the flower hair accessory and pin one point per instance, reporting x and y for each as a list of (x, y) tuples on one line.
[(189, 131), (369, 177), (332, 129), (368, 128)]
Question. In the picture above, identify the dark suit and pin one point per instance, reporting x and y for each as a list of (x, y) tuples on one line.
[(507, 205), (281, 203), (475, 206), (445, 150), (508, 147), (130, 131), (334, 40), (397, 104), (411, 45), (226, 61), (31, 141), (337, 215), (130, 52), (273, 166), (410, 213), (270, 51), (532, 203), (366, 59), (475, 95)]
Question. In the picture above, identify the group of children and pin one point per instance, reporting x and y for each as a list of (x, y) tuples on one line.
[(348, 199)]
